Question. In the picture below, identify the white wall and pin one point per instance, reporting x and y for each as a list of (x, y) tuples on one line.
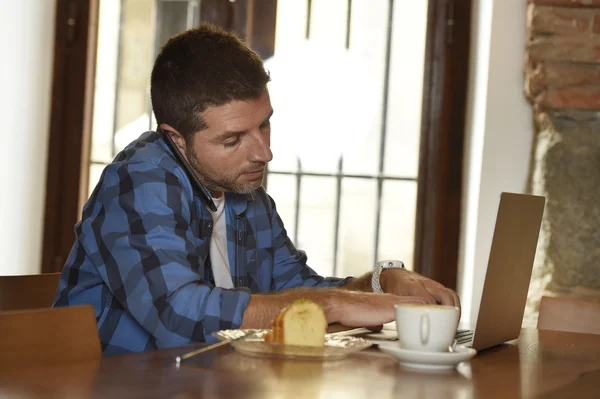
[(499, 135), (27, 35)]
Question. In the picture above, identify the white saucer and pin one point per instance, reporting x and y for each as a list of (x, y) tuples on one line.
[(428, 360)]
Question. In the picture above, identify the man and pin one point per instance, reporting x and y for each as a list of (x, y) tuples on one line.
[(166, 263)]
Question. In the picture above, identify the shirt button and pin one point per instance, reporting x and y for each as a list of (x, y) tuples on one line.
[(209, 225)]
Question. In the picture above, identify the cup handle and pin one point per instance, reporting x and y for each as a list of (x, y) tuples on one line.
[(424, 328)]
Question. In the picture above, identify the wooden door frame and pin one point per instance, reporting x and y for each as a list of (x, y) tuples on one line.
[(437, 228), (70, 126)]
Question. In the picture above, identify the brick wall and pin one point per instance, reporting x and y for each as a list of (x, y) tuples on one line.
[(563, 54), (562, 81)]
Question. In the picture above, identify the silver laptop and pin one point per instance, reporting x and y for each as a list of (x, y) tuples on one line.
[(508, 273)]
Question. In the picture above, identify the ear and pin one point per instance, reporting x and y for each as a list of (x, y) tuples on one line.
[(177, 137)]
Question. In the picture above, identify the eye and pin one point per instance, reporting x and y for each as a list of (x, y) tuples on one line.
[(232, 143), (266, 125)]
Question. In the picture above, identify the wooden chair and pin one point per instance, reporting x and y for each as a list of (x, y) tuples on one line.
[(28, 292), (41, 337), (572, 315)]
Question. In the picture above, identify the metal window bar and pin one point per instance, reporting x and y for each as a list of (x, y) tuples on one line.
[(117, 80), (386, 81), (156, 47), (343, 175), (338, 183), (320, 174), (298, 161)]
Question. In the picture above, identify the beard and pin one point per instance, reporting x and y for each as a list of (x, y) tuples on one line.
[(224, 183)]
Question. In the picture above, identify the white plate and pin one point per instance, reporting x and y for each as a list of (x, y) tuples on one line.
[(337, 346), (428, 360)]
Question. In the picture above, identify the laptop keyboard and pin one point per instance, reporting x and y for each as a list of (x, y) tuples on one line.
[(463, 336)]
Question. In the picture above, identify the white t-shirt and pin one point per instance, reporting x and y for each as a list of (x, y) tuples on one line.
[(218, 246)]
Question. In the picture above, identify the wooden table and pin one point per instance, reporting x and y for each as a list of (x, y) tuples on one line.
[(542, 364)]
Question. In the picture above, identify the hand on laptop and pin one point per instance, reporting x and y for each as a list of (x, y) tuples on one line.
[(404, 282)]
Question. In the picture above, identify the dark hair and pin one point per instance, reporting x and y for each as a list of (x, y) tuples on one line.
[(202, 67)]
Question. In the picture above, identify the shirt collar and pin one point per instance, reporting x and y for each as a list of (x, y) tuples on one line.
[(239, 202)]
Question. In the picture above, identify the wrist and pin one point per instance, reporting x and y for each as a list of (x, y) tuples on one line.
[(385, 278), (378, 276), (330, 305)]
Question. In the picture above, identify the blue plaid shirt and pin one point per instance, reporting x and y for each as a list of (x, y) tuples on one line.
[(141, 255)]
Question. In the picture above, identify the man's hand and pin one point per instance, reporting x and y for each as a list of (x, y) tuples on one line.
[(367, 309), (404, 282)]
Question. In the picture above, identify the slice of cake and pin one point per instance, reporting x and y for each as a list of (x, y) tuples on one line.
[(302, 323)]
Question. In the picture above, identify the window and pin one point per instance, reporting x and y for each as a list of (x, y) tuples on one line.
[(348, 193), (344, 176), (344, 173)]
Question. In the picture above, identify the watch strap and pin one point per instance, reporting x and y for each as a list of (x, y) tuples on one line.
[(380, 267)]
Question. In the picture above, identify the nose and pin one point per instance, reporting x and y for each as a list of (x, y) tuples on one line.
[(261, 149)]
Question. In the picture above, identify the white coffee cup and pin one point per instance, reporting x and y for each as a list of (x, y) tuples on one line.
[(429, 328)]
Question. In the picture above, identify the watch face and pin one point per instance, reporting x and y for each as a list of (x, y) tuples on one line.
[(387, 264)]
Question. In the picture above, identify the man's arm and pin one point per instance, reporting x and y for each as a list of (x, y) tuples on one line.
[(362, 283), (350, 308), (405, 282)]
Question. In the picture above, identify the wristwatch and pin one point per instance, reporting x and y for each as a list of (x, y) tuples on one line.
[(381, 266)]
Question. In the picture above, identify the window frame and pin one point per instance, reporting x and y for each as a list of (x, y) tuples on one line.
[(76, 26), (439, 194)]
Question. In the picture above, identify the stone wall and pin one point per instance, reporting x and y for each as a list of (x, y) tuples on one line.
[(562, 71)]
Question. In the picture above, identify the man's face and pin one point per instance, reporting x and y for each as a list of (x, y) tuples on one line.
[(232, 153)]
